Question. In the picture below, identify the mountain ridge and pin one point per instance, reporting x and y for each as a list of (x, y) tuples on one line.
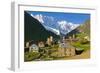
[(34, 30), (61, 26)]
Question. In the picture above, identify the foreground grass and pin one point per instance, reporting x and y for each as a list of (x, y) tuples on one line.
[(81, 46)]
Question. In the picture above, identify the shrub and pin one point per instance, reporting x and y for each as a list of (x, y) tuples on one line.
[(29, 56)]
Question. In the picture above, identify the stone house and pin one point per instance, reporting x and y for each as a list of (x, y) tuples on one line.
[(34, 48)]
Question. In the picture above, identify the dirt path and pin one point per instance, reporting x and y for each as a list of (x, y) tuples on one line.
[(84, 55)]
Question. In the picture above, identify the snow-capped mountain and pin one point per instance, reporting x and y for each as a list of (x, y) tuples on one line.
[(52, 30), (56, 26), (66, 27)]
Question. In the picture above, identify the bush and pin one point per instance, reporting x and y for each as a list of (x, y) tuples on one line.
[(84, 41), (81, 46), (29, 56)]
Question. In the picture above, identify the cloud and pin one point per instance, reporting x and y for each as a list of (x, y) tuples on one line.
[(39, 17)]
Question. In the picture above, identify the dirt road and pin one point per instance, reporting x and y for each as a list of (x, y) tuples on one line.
[(84, 55)]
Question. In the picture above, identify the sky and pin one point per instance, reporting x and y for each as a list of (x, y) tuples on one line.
[(76, 18)]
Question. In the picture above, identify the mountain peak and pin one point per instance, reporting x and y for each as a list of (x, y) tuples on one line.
[(56, 26), (39, 17)]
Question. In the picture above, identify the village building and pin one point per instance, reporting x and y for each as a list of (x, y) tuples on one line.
[(33, 48), (73, 36), (27, 44), (41, 44), (49, 40), (61, 49), (65, 49), (26, 48)]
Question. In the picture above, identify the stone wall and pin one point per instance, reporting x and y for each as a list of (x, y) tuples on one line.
[(66, 52)]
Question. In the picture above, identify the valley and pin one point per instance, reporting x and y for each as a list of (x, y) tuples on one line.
[(44, 43)]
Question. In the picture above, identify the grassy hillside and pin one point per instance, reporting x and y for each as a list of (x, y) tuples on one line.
[(83, 36), (85, 28)]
